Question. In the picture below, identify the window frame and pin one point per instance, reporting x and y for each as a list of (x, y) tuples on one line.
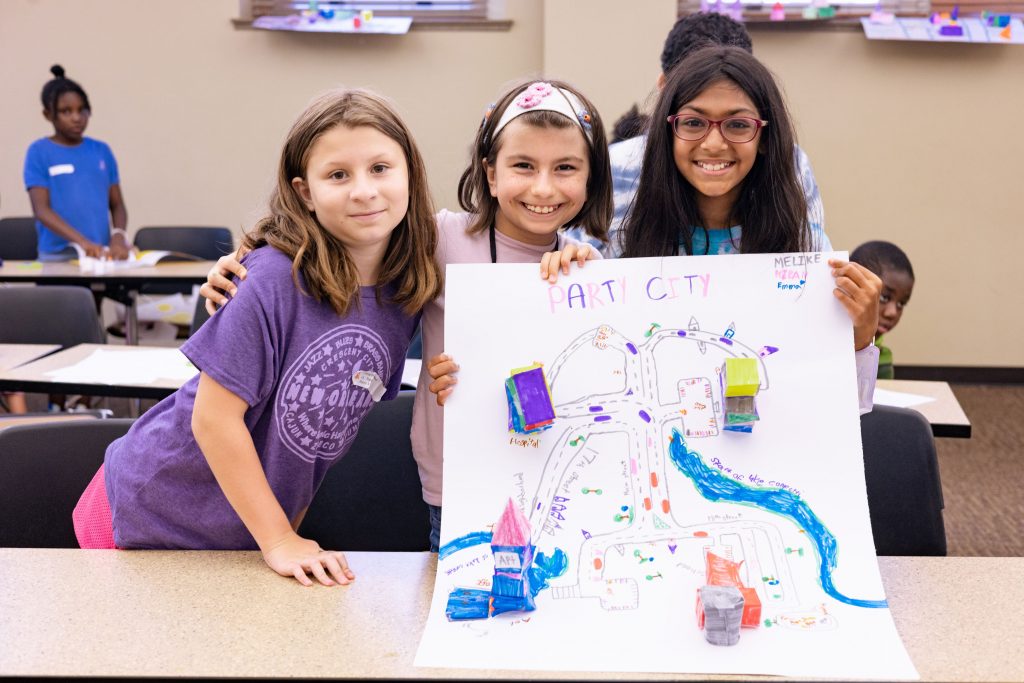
[(443, 15)]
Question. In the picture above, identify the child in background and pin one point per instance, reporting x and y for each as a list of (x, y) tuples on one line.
[(719, 177), (539, 162), (343, 264), (889, 263), (629, 125), (72, 181)]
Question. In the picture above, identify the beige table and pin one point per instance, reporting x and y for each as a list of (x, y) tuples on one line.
[(120, 284), (944, 412), (198, 614), (13, 355), (33, 376)]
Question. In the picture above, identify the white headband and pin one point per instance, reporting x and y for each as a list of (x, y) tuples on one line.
[(542, 96)]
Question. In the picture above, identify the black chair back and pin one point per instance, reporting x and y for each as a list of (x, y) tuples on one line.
[(904, 489), (18, 239), (49, 315), (198, 243), (372, 500), (199, 315), (203, 243), (44, 468)]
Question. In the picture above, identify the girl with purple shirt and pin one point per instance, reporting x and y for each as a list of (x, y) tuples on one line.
[(539, 162), (344, 262)]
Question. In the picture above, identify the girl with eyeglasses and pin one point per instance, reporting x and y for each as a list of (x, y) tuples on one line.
[(719, 177)]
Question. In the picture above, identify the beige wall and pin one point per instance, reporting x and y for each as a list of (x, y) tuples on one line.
[(195, 111)]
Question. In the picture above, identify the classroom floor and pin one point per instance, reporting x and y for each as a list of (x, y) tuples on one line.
[(981, 476)]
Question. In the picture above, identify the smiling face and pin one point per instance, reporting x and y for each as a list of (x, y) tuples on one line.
[(69, 117), (897, 286), (714, 166), (539, 178), (357, 184)]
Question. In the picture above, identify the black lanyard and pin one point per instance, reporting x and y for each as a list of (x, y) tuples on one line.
[(494, 244)]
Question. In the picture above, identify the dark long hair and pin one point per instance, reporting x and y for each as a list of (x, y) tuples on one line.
[(474, 191), (771, 206)]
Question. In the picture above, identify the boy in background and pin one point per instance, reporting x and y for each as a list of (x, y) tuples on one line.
[(889, 263)]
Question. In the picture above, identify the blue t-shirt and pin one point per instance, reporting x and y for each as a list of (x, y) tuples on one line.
[(78, 179), (299, 366)]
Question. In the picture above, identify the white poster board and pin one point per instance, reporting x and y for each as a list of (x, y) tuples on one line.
[(637, 479)]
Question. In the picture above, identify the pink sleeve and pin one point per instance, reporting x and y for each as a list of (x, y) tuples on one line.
[(867, 373)]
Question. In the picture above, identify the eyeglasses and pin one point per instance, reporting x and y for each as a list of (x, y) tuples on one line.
[(693, 128)]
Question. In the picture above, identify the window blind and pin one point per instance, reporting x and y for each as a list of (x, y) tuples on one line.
[(426, 11)]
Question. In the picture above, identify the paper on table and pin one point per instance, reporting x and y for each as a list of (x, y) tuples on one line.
[(131, 368), (137, 259), (175, 308), (898, 399)]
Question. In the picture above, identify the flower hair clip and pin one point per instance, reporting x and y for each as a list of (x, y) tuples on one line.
[(487, 113), (584, 118), (533, 95)]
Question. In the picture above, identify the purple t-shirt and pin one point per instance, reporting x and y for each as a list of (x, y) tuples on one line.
[(292, 360)]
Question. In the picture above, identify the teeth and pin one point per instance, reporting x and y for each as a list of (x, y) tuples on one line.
[(540, 209), (714, 167)]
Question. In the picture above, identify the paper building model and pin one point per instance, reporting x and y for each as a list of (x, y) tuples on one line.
[(511, 590), (513, 555), (724, 611), (529, 400), (739, 383)]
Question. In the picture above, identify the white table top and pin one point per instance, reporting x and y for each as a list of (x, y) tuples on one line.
[(13, 355), (94, 380), (943, 411), (225, 614), (64, 271)]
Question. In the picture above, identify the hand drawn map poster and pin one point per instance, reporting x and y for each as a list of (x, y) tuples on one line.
[(639, 483)]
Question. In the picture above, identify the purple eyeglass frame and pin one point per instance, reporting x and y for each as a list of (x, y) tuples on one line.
[(758, 125)]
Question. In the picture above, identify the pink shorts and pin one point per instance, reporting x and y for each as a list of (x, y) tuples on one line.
[(94, 526)]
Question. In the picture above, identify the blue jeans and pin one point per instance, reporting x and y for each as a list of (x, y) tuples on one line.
[(435, 527)]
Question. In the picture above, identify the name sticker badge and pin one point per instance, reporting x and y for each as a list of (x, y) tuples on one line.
[(369, 381), (61, 169)]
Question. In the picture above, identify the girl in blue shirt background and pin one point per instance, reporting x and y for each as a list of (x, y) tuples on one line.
[(72, 181)]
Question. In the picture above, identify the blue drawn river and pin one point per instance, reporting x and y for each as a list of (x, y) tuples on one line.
[(715, 486)]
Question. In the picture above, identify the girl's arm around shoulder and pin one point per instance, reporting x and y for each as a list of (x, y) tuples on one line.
[(571, 250), (218, 423), (218, 287)]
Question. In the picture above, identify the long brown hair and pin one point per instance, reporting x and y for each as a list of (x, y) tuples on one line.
[(771, 207), (326, 265), (474, 191)]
